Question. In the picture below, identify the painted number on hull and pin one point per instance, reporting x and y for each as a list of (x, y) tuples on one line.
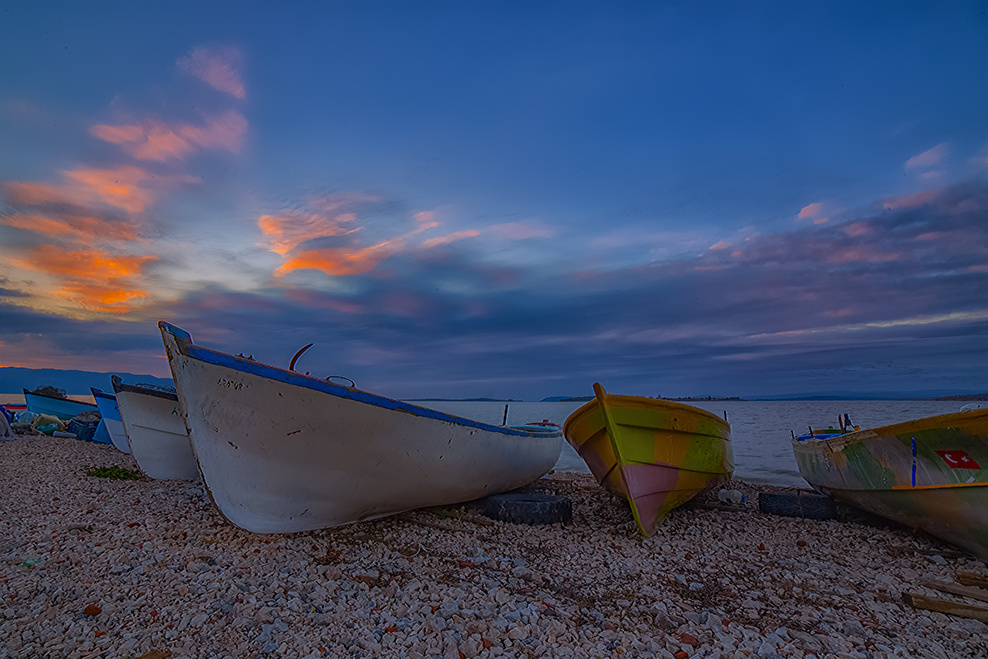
[(232, 384), (958, 460)]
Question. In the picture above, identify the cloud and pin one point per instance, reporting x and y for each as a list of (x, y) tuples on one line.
[(114, 187), (286, 232), (928, 158), (450, 238), (93, 279), (810, 210), (908, 201), (87, 230), (337, 261), (158, 141), (219, 68)]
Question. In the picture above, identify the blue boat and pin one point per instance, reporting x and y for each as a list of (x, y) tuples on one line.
[(112, 422), (63, 408)]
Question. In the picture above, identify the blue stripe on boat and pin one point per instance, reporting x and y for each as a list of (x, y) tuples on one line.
[(184, 340)]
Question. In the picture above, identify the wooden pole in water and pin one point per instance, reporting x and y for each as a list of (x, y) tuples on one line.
[(504, 421)]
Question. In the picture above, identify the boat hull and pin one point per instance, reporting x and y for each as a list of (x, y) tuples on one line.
[(658, 454), (108, 409), (155, 427), (63, 408), (930, 474), (281, 452)]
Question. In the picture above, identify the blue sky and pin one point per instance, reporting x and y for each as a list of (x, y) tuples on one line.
[(503, 199)]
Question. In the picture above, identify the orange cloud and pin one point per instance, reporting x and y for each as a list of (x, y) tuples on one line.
[(219, 68), (114, 187), (338, 260), (286, 232), (86, 229), (156, 140), (91, 278)]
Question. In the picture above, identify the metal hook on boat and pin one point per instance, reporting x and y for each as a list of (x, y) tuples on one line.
[(342, 377), (291, 364)]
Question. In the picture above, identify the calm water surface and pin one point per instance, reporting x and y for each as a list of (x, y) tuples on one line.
[(760, 430)]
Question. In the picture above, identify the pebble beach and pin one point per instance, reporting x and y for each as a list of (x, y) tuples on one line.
[(98, 567)]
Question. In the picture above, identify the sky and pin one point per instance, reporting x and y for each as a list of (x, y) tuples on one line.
[(503, 199)]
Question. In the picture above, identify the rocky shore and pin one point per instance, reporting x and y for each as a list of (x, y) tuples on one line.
[(97, 567)]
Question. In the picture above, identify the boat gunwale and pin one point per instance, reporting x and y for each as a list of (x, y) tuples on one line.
[(644, 401), (839, 442), (28, 392), (121, 387), (294, 378), (99, 393)]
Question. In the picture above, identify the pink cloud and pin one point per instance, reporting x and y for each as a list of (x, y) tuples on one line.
[(927, 158), (156, 140), (219, 68), (865, 254), (425, 220), (723, 244), (908, 201), (858, 229), (453, 237), (810, 210)]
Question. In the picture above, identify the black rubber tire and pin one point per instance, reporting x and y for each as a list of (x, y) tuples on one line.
[(529, 508), (808, 505)]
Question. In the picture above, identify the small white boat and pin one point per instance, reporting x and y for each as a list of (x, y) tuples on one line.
[(282, 452), (155, 425), (110, 411)]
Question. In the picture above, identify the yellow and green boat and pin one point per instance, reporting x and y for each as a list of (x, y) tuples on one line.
[(929, 474), (656, 453)]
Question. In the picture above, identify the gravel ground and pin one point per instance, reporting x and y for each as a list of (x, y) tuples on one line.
[(94, 567)]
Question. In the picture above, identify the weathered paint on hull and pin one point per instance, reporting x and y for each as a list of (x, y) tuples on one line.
[(159, 441), (658, 454), (110, 412), (929, 473), (281, 452), (63, 408)]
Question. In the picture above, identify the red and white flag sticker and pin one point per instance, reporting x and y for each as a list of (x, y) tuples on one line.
[(957, 459)]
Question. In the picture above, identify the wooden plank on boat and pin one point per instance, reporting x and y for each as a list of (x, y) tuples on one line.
[(957, 589), (946, 606), (972, 578)]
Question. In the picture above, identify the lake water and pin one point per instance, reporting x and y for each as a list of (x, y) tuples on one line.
[(760, 430)]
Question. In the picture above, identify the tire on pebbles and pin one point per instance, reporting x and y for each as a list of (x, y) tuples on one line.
[(92, 567)]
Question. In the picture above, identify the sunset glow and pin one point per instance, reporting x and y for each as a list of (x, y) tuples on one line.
[(503, 200)]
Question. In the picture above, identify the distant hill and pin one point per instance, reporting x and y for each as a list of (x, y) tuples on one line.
[(964, 397), (566, 399), (14, 379)]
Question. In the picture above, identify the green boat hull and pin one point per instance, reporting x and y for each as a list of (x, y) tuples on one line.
[(929, 474)]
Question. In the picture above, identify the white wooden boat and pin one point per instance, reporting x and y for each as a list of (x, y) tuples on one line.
[(282, 452), (108, 409), (155, 425)]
